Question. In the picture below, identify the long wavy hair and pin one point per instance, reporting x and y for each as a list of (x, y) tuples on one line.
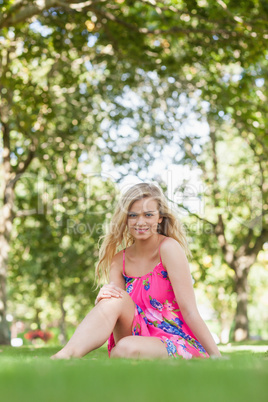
[(118, 236)]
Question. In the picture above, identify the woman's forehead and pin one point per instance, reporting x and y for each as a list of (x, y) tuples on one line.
[(144, 204)]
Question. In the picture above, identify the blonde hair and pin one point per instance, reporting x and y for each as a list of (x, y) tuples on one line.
[(118, 235)]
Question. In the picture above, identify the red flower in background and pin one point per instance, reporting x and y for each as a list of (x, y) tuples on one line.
[(38, 333)]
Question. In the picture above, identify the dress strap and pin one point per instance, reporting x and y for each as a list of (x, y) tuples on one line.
[(159, 250), (124, 261)]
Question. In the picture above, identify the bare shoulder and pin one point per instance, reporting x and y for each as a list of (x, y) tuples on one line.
[(171, 245), (171, 251), (116, 270), (117, 261)]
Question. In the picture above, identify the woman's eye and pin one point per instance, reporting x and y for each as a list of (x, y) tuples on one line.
[(135, 216)]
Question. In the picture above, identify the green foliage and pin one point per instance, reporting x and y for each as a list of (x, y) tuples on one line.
[(119, 81), (258, 281), (60, 219)]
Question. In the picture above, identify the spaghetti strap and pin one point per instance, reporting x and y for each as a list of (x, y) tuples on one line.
[(159, 250), (124, 273)]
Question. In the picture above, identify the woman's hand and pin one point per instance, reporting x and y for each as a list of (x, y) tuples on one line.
[(108, 291)]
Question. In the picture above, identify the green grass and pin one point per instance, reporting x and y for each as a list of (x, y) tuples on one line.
[(27, 374)]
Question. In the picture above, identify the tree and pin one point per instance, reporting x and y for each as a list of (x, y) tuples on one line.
[(235, 211), (43, 114), (67, 65), (241, 110), (54, 249), (230, 78)]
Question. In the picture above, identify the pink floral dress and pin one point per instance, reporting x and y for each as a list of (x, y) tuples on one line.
[(158, 314)]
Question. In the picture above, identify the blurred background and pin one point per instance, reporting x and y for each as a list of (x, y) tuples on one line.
[(96, 96)]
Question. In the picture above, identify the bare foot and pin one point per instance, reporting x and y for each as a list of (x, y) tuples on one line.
[(61, 355)]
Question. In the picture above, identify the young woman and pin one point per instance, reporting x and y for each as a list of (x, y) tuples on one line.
[(148, 309)]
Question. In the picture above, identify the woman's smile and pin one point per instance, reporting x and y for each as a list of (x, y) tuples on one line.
[(141, 230)]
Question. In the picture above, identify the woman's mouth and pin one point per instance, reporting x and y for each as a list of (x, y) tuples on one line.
[(141, 230)]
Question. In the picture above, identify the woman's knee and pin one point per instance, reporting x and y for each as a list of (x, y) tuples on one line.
[(119, 303), (125, 349)]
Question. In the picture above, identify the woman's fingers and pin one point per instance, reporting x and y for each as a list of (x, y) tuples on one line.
[(113, 289), (112, 292), (108, 291), (113, 285), (101, 297)]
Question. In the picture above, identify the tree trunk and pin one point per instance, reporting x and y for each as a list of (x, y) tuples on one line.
[(5, 229), (37, 317), (225, 327), (63, 334), (241, 331), (6, 222), (6, 217), (4, 330)]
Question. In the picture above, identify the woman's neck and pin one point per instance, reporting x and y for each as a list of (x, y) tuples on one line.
[(147, 246)]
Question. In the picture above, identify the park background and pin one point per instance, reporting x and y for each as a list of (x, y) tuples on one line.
[(97, 96)]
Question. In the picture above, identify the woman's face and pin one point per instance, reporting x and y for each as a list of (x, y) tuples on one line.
[(143, 218)]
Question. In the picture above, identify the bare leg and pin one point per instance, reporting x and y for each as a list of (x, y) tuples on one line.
[(145, 347), (95, 329)]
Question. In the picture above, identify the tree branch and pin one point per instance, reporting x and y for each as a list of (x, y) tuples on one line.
[(6, 150), (228, 12), (233, 20), (20, 13), (243, 249), (227, 249), (193, 214), (216, 192), (260, 240), (172, 30), (24, 164), (248, 255)]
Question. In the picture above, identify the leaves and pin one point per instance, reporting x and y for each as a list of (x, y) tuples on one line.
[(81, 83)]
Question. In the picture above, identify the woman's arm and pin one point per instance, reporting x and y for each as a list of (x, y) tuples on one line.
[(116, 281), (116, 271), (176, 264)]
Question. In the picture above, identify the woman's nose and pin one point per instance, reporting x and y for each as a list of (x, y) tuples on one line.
[(140, 220)]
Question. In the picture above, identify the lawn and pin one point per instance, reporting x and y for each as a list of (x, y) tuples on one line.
[(27, 374)]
